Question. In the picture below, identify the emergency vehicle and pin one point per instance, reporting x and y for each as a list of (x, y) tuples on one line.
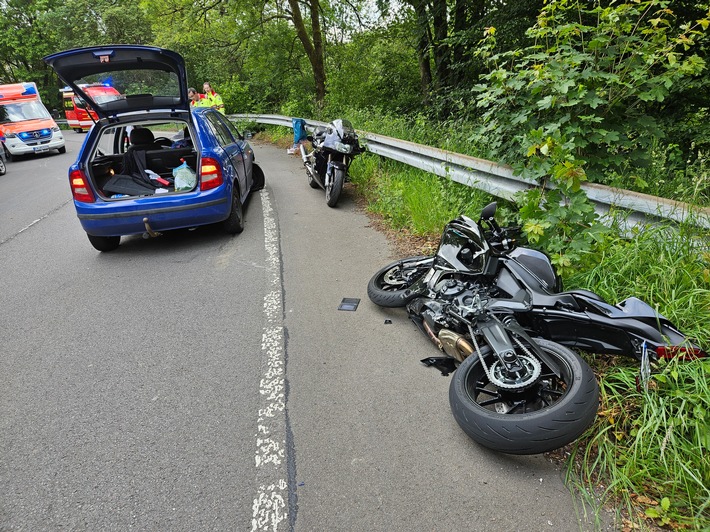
[(79, 116), (25, 122)]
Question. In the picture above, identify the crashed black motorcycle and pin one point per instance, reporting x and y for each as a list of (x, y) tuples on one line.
[(497, 312), (334, 147)]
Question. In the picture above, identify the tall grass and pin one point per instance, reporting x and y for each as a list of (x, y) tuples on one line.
[(650, 450), (668, 266), (412, 199)]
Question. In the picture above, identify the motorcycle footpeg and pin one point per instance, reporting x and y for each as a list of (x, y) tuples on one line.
[(446, 365)]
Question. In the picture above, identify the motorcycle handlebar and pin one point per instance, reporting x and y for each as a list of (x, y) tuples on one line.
[(506, 238)]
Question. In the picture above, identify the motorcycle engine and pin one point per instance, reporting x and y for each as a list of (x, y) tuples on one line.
[(462, 294), (450, 288)]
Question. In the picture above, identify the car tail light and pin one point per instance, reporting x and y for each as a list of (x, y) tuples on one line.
[(210, 174), (80, 187), (683, 353)]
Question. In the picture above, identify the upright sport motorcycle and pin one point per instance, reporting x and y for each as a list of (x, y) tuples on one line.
[(334, 147), (498, 314)]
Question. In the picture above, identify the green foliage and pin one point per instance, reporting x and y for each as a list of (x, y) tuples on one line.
[(411, 199), (565, 226), (583, 95), (652, 448), (32, 29), (580, 103), (665, 265), (376, 66), (669, 175)]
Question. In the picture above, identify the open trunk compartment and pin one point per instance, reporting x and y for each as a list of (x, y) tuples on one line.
[(139, 159)]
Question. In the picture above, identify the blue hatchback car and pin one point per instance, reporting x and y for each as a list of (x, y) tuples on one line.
[(150, 163)]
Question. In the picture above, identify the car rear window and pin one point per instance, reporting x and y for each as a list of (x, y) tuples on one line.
[(156, 87)]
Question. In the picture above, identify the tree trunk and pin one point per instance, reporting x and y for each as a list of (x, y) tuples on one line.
[(314, 47), (423, 40), (464, 13), (442, 57)]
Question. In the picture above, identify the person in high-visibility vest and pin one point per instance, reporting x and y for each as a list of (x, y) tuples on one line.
[(213, 99), (196, 99)]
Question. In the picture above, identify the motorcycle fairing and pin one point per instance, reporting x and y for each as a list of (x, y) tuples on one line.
[(463, 248), (540, 265), (582, 320), (337, 131)]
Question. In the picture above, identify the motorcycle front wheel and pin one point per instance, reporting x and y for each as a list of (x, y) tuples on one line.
[(548, 414), (390, 286), (332, 191)]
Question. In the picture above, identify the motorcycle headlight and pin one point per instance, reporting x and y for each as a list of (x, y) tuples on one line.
[(343, 148)]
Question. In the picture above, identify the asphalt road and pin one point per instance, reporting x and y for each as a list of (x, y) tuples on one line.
[(205, 382)]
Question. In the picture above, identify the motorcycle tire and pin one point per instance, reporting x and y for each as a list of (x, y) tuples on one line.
[(3, 169), (389, 287), (332, 192), (545, 416)]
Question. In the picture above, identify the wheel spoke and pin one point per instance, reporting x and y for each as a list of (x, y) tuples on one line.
[(517, 405), (491, 402)]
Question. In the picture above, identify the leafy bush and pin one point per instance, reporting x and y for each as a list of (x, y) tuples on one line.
[(584, 95), (579, 103)]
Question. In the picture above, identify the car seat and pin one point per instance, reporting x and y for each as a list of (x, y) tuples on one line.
[(141, 140)]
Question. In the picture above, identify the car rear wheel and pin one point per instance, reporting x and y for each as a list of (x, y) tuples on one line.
[(234, 224), (104, 243)]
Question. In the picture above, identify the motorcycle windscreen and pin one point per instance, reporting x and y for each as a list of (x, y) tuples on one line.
[(462, 248)]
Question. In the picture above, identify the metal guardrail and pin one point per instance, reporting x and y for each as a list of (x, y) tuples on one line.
[(499, 180)]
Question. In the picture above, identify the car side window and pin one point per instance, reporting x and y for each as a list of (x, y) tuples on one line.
[(219, 129), (232, 128)]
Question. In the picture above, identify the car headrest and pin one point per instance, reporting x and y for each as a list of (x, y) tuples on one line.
[(141, 137)]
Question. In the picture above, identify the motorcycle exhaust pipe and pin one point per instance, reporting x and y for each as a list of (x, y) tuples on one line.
[(454, 344), (432, 336)]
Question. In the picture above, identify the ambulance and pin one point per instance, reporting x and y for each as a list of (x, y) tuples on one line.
[(25, 123), (79, 116)]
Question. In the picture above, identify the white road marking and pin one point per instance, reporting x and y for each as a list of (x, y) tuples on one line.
[(270, 506)]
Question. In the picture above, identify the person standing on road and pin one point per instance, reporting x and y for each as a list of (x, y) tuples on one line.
[(213, 99)]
